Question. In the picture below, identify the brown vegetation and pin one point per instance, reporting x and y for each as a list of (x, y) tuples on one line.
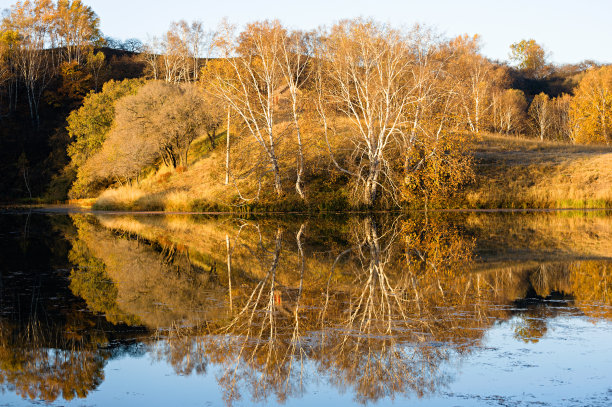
[(513, 172)]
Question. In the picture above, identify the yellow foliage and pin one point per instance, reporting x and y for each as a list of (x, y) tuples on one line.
[(591, 107)]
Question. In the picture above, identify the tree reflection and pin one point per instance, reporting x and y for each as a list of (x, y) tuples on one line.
[(50, 346), (376, 305), (38, 365), (369, 323)]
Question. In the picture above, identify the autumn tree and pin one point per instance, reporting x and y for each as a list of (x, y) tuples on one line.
[(169, 117), (47, 35), (150, 57), (214, 117), (96, 67), (215, 70), (77, 28), (387, 106), (90, 124), (8, 76), (530, 57), (294, 59), (365, 79), (591, 107), (252, 84), (560, 117), (541, 115), (153, 126), (508, 111), (33, 64), (176, 57), (477, 78)]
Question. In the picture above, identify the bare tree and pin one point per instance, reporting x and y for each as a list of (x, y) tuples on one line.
[(366, 66), (294, 60), (252, 84), (151, 56), (177, 56)]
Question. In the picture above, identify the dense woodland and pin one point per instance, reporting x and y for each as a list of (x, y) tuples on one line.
[(387, 113)]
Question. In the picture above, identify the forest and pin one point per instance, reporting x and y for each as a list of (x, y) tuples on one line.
[(357, 115)]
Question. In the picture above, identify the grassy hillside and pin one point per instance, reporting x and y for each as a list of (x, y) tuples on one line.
[(200, 187), (511, 172), (515, 172)]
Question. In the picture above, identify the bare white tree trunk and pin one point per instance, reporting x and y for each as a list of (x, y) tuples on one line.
[(227, 149)]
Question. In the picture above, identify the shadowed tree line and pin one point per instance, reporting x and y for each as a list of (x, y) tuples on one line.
[(52, 54)]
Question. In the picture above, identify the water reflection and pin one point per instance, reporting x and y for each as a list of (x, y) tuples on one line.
[(49, 347), (375, 305)]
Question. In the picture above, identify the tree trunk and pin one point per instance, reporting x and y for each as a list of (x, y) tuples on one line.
[(211, 138), (227, 149), (300, 163), (229, 271), (277, 180), (371, 185)]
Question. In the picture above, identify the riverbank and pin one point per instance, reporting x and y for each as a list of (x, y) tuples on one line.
[(510, 173)]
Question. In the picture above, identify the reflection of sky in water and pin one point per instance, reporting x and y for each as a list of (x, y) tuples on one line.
[(516, 317), (569, 366)]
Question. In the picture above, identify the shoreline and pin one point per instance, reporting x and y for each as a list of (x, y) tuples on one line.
[(67, 208)]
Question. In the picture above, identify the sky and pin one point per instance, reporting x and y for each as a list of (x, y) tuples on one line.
[(571, 31)]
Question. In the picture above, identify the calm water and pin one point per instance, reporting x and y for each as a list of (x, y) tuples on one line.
[(466, 309)]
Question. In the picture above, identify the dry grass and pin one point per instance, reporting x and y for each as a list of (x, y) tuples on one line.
[(521, 173), (126, 196), (511, 173), (171, 190)]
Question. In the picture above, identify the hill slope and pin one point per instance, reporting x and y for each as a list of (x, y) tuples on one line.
[(511, 172), (523, 173)]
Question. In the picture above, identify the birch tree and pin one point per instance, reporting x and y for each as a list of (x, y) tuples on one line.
[(76, 27), (252, 85), (294, 61), (35, 65), (540, 114), (177, 56), (591, 108), (476, 78), (509, 108), (560, 117), (366, 66)]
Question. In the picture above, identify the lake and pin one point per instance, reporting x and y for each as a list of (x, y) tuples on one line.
[(426, 309)]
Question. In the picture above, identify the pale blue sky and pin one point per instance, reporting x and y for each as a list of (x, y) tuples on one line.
[(571, 30)]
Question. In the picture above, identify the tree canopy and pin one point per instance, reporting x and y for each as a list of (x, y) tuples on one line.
[(591, 107), (529, 57)]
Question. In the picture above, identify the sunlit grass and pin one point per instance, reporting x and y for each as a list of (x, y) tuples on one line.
[(521, 173), (512, 172)]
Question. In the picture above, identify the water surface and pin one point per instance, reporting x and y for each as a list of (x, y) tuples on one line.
[(466, 309)]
